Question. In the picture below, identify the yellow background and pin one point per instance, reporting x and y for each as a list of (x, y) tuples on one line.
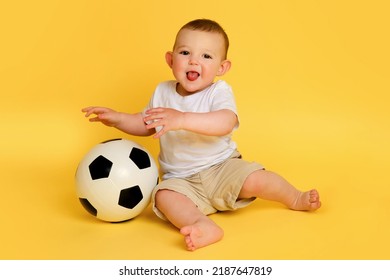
[(311, 80)]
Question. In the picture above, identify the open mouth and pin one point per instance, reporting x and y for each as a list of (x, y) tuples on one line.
[(192, 75)]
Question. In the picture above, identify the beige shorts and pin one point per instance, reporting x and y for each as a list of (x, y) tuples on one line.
[(214, 189)]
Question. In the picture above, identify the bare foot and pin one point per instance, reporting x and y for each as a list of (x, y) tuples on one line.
[(202, 233), (307, 201)]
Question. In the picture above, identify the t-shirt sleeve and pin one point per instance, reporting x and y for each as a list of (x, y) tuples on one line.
[(224, 99)]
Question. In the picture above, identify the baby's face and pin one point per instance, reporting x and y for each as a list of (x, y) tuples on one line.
[(196, 60)]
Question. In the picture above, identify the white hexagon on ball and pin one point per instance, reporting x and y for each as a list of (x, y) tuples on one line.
[(115, 180)]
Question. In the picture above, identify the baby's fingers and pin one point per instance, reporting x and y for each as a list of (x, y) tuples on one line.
[(159, 133), (95, 119), (88, 111), (93, 110)]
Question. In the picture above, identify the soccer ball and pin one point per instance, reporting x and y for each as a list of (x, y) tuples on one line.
[(115, 179)]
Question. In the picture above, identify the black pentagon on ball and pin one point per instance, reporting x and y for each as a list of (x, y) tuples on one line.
[(100, 168), (88, 206), (130, 197), (140, 158)]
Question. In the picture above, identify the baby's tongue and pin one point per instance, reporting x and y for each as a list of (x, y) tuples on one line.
[(192, 75)]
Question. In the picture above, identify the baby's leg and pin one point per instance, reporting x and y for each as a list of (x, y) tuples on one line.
[(198, 229), (268, 185)]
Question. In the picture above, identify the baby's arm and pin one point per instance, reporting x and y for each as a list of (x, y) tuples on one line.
[(129, 123), (216, 123)]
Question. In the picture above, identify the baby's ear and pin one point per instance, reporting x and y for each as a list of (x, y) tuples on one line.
[(168, 58), (224, 67)]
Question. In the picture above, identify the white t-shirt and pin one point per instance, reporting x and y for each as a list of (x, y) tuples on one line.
[(183, 153)]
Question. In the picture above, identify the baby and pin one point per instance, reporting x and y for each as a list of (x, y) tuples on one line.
[(193, 117)]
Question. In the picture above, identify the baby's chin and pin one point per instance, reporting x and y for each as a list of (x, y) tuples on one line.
[(188, 90)]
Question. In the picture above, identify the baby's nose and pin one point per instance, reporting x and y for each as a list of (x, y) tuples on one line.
[(193, 61)]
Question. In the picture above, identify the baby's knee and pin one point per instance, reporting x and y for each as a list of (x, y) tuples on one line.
[(162, 196)]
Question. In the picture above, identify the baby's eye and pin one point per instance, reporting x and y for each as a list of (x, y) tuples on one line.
[(207, 56), (185, 52)]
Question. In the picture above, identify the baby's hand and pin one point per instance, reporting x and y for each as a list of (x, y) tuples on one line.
[(104, 115), (163, 120)]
